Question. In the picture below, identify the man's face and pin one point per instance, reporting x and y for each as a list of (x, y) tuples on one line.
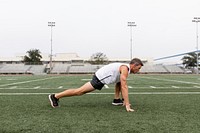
[(135, 68)]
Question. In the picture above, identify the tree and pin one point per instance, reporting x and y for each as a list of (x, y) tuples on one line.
[(190, 60), (98, 58), (34, 57)]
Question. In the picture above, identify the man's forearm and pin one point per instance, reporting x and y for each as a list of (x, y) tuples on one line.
[(125, 95)]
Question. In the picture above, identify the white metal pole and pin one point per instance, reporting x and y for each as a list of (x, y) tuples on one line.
[(197, 48), (131, 43), (197, 20), (131, 24), (51, 24), (51, 51)]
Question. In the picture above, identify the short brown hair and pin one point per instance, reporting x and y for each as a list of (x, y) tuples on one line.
[(136, 61)]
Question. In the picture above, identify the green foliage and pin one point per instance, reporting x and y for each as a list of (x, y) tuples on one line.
[(190, 60), (98, 58), (34, 57)]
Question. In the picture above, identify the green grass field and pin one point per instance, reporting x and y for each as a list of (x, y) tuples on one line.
[(162, 103)]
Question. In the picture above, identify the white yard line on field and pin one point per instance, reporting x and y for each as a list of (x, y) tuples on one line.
[(147, 87), (175, 87), (60, 87), (150, 93), (37, 87), (131, 93), (197, 86), (11, 79), (29, 81), (85, 79), (13, 87), (153, 87), (10, 94), (27, 88), (169, 80)]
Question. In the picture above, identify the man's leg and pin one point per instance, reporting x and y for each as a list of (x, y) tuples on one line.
[(87, 87), (117, 100), (117, 90)]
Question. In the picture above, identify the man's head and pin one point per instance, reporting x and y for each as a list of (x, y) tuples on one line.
[(135, 65)]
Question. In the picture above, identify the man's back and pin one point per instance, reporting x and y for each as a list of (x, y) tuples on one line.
[(110, 73)]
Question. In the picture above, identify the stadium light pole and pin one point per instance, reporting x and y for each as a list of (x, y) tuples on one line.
[(51, 24), (131, 25), (197, 20)]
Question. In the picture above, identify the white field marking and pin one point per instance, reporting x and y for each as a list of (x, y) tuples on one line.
[(91, 79), (85, 79), (165, 93), (13, 87), (37, 87), (60, 87), (11, 79), (153, 87), (150, 93), (197, 86), (16, 83), (24, 94), (27, 88), (132, 93), (177, 81), (175, 87), (106, 86)]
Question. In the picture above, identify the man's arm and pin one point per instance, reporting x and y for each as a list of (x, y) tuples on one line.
[(124, 87)]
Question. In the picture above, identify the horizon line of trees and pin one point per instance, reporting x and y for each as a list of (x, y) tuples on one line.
[(34, 57)]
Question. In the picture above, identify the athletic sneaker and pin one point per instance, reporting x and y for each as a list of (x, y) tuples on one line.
[(53, 100), (117, 102)]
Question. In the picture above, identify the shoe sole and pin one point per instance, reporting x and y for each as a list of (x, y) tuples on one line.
[(51, 101), (117, 104)]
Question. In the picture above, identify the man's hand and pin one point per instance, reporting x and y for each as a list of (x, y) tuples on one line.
[(128, 108)]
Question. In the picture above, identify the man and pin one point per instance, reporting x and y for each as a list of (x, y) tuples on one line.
[(111, 73)]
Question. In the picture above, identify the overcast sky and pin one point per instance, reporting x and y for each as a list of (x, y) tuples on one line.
[(164, 27)]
